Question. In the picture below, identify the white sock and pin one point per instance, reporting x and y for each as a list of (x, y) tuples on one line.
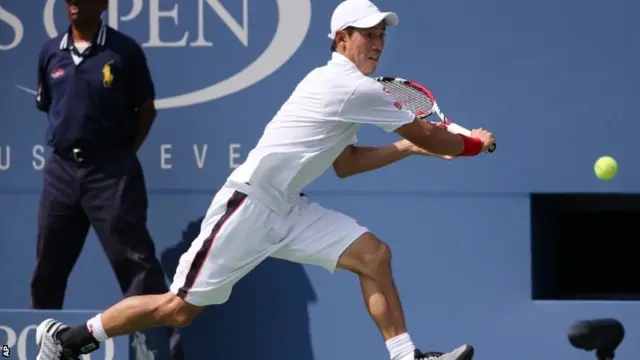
[(95, 328), (401, 347)]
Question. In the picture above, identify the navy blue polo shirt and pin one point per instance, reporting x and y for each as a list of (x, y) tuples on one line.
[(91, 97)]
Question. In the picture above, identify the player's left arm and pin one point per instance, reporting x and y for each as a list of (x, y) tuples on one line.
[(359, 159)]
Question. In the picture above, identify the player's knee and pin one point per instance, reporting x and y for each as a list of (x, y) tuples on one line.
[(376, 258), (175, 312), (367, 256), (381, 256), (179, 318)]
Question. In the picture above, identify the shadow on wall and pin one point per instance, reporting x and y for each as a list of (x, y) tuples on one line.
[(266, 316)]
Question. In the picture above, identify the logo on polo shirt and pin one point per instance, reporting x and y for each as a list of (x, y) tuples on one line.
[(107, 75), (57, 73)]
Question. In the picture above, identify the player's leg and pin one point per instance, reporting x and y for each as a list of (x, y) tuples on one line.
[(333, 240), (60, 341), (234, 229), (370, 259)]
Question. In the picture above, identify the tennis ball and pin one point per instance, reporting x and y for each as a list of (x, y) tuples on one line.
[(606, 168)]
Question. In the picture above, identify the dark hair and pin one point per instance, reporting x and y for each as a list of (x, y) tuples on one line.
[(349, 30)]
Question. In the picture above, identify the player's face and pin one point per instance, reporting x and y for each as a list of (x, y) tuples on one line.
[(364, 47), (85, 12)]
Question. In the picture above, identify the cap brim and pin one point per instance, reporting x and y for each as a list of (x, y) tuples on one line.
[(390, 19)]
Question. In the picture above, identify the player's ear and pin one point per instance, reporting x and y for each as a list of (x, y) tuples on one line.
[(342, 36)]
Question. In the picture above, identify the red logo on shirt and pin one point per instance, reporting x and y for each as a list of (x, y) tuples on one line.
[(57, 73)]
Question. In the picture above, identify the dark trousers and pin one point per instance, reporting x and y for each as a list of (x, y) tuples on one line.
[(106, 190)]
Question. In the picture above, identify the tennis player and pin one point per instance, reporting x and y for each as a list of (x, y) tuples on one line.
[(260, 211)]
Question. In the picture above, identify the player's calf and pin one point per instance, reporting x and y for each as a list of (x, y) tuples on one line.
[(370, 259), (128, 316)]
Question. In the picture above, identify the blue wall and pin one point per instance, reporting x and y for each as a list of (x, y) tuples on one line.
[(555, 80)]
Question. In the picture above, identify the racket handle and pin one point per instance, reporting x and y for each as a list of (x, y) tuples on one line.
[(457, 129)]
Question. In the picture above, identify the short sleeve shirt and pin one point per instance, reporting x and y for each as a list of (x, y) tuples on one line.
[(316, 123)]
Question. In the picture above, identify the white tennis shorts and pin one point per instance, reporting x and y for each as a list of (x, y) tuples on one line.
[(239, 232)]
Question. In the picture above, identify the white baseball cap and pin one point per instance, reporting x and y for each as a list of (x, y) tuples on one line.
[(360, 14)]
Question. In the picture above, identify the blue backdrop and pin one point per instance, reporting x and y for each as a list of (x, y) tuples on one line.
[(555, 80)]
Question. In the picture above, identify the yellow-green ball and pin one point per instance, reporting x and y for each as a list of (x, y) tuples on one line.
[(606, 168)]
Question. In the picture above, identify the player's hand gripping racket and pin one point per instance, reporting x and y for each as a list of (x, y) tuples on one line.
[(419, 100)]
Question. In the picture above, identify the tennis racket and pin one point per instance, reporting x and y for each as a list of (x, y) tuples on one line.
[(421, 101)]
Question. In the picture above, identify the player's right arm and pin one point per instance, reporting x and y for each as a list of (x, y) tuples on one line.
[(369, 103), (431, 138), (437, 140)]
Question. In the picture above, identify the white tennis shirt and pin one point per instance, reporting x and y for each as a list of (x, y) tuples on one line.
[(318, 121)]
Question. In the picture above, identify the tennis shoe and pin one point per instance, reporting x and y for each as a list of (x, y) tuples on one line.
[(464, 352), (48, 342)]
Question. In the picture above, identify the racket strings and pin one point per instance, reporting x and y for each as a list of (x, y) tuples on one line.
[(411, 99)]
